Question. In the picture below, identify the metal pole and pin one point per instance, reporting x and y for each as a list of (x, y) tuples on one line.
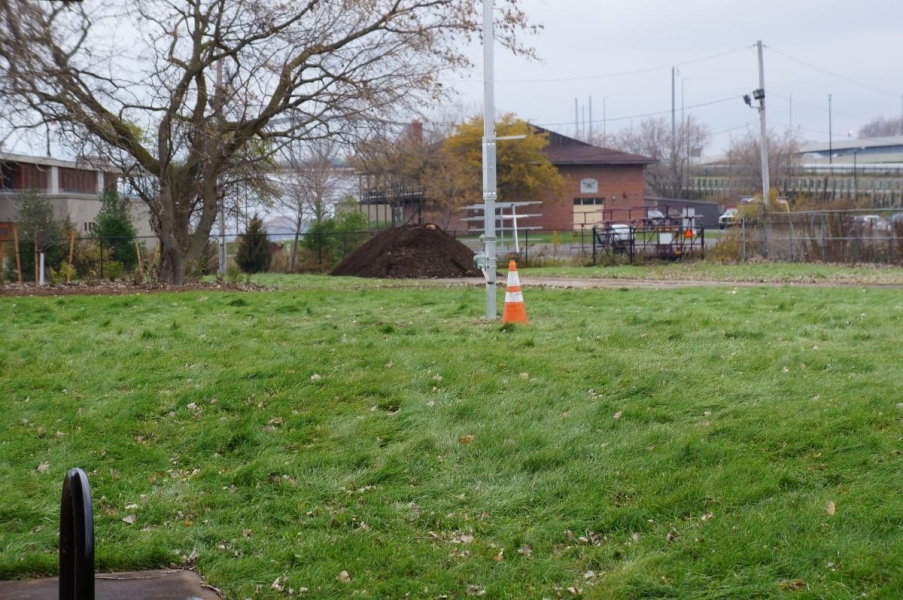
[(830, 134), (855, 178), (489, 181), (764, 133)]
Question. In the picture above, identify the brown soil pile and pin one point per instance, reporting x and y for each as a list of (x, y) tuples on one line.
[(410, 252)]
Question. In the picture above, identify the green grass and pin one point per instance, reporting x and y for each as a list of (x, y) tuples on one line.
[(627, 443)]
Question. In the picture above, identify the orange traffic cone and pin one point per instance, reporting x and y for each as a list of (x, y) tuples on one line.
[(515, 311)]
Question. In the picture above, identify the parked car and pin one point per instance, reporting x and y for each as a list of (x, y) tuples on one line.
[(618, 236), (871, 223), (654, 218), (729, 218)]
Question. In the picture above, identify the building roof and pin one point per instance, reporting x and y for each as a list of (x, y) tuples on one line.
[(892, 144), (564, 150), (83, 162)]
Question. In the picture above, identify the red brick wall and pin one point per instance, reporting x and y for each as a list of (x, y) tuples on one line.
[(621, 186)]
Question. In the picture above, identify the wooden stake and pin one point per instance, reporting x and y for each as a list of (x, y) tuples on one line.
[(138, 252), (18, 256), (37, 263), (71, 250)]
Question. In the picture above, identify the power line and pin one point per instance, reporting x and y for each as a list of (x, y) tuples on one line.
[(833, 74), (622, 73), (815, 106), (645, 115)]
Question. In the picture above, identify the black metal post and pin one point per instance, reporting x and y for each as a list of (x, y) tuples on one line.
[(76, 538)]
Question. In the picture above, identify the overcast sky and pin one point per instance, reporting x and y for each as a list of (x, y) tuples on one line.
[(621, 54)]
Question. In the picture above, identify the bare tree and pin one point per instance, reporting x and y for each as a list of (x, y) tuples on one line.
[(745, 163), (881, 127), (200, 87), (312, 184), (392, 166), (669, 177)]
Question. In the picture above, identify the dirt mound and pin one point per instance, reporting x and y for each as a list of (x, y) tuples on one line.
[(410, 252)]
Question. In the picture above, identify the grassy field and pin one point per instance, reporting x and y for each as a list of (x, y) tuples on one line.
[(339, 438)]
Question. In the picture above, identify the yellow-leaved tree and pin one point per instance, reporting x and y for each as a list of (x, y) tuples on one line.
[(523, 171)]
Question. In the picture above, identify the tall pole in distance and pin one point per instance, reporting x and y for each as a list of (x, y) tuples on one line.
[(830, 134), (489, 142), (673, 125), (764, 129)]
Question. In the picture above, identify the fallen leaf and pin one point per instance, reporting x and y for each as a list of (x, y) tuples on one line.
[(618, 414), (832, 508), (344, 577), (131, 507), (575, 591), (500, 556), (589, 575), (793, 584), (130, 519), (526, 550), (279, 584), (466, 538), (315, 377), (42, 468), (524, 375), (706, 517), (475, 590), (672, 535), (466, 439), (246, 533)]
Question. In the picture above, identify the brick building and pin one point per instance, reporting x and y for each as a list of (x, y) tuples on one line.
[(600, 185)]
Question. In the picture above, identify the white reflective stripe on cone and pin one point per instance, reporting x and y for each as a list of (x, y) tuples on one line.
[(514, 297)]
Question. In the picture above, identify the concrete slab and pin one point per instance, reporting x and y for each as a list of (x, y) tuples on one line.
[(135, 585)]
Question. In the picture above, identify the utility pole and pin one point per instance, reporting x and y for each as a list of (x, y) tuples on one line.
[(687, 133), (676, 176), (489, 143), (673, 127), (766, 181), (830, 134), (605, 133), (576, 120)]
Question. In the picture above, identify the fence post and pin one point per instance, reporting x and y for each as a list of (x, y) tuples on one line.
[(76, 538), (320, 248), (743, 236), (790, 224), (101, 258), (18, 256)]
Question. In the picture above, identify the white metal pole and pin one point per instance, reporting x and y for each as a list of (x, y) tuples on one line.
[(41, 281), (764, 133), (514, 227), (489, 142)]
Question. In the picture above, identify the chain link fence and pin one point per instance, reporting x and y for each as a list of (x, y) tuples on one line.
[(837, 236)]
